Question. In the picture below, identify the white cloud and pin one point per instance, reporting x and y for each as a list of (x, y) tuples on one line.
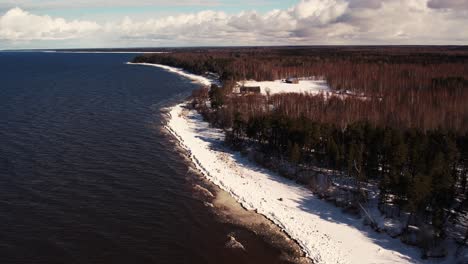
[(409, 21), (308, 22), (18, 25), (320, 11)]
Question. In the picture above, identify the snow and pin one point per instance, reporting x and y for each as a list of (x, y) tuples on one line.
[(325, 233), (279, 86), (195, 78)]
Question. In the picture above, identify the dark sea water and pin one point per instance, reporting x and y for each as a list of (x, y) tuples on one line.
[(87, 176)]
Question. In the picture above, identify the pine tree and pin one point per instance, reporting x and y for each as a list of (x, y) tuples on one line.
[(216, 96), (333, 155)]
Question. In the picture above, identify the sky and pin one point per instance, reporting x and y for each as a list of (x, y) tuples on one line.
[(28, 24)]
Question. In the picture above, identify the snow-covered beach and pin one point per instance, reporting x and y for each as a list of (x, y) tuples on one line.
[(196, 78), (324, 232)]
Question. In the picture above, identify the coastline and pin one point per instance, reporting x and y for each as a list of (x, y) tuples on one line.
[(228, 210), (323, 232)]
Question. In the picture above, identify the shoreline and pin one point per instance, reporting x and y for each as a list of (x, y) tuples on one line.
[(206, 175), (224, 203), (228, 210), (195, 78)]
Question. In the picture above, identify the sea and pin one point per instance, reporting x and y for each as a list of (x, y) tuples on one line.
[(88, 174)]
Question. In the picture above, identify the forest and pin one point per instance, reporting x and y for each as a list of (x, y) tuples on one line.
[(408, 133)]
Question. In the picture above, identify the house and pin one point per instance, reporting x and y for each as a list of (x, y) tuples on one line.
[(250, 90), (292, 80)]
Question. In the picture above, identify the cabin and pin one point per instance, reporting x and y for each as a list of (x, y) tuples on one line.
[(250, 90), (292, 80)]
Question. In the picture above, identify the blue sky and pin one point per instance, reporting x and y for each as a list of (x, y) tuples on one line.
[(108, 9), (123, 23)]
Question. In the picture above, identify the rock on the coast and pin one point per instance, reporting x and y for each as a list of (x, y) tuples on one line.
[(233, 243)]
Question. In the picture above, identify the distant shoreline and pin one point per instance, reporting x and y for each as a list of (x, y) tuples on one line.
[(195, 78), (84, 51), (100, 52)]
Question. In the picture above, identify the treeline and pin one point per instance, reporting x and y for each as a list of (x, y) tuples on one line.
[(376, 70), (419, 170), (419, 87)]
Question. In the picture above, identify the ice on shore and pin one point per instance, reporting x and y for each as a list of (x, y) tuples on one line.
[(325, 233)]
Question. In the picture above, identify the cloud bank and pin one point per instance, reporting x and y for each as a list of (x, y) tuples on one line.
[(17, 24), (307, 22)]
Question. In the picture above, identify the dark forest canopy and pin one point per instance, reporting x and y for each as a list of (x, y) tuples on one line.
[(365, 69), (267, 63)]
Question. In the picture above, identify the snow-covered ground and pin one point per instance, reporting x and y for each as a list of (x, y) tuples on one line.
[(326, 233), (279, 86)]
